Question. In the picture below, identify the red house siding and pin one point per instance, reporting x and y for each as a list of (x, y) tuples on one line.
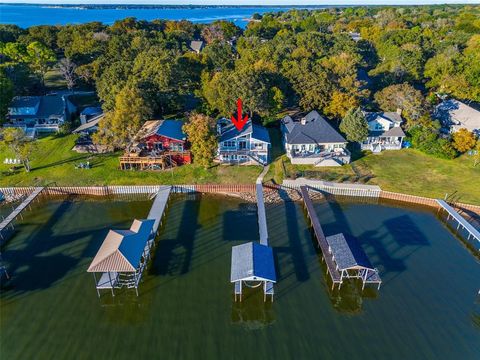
[(180, 158)]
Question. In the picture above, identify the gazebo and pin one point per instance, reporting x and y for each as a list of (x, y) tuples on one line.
[(351, 261), (123, 256), (252, 266)]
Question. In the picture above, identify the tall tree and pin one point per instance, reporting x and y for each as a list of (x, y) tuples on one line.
[(201, 134), (404, 97), (354, 125), (68, 69), (20, 145), (6, 94), (40, 59), (118, 127)]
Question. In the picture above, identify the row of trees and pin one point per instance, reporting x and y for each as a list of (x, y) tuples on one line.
[(296, 58)]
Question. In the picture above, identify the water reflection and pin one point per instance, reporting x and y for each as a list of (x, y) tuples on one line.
[(252, 313)]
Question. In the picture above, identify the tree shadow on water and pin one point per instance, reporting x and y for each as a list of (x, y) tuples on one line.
[(174, 256)]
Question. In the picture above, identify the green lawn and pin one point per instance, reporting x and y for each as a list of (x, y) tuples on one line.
[(54, 163), (406, 171)]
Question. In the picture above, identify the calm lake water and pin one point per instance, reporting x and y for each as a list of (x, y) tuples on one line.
[(25, 16), (426, 309)]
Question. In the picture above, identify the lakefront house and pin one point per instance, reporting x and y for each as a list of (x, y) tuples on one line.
[(40, 113), (250, 146), (309, 139), (158, 145), (384, 131), (455, 115)]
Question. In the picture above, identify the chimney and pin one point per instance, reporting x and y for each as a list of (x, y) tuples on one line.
[(399, 111), (303, 120)]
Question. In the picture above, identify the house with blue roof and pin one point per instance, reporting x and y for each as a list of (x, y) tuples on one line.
[(41, 113), (159, 144), (250, 146)]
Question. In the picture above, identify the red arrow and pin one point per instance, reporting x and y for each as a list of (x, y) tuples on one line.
[(239, 122)]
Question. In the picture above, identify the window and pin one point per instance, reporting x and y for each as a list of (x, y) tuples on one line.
[(229, 144), (158, 146), (258, 146), (176, 147)]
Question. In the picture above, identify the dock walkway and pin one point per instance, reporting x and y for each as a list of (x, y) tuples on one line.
[(262, 217), (321, 239), (159, 205), (462, 222), (17, 211)]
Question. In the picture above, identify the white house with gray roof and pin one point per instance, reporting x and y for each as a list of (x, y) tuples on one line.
[(456, 115), (310, 139), (42, 113), (250, 146), (384, 131)]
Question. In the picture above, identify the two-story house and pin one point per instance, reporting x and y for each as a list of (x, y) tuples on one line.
[(250, 146), (384, 131), (309, 139), (42, 113), (158, 145)]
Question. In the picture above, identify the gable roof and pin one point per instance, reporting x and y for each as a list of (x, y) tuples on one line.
[(196, 45), (91, 110), (252, 261), (256, 131), (25, 101), (122, 250), (454, 112), (347, 254), (90, 124), (48, 106), (392, 117), (168, 128), (315, 131)]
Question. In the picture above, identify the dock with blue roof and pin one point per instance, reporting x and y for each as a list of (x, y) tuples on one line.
[(124, 254), (345, 259)]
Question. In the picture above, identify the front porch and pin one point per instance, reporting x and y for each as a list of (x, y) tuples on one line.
[(242, 157), (329, 157), (377, 144)]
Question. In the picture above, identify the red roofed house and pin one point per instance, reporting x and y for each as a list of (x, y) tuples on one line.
[(159, 144)]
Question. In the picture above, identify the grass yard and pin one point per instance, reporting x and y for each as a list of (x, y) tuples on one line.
[(406, 171), (54, 163)]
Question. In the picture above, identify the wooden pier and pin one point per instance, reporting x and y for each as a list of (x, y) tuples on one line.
[(344, 259), (321, 239), (462, 222), (18, 210), (159, 206), (262, 217)]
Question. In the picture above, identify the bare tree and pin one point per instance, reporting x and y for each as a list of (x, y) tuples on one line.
[(68, 69)]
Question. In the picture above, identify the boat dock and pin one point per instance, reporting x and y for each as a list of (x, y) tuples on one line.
[(472, 232), (344, 259), (18, 210), (124, 254)]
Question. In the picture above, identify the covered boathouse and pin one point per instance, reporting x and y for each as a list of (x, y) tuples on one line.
[(253, 266), (123, 257), (351, 261)]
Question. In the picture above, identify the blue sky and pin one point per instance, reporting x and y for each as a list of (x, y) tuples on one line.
[(248, 2)]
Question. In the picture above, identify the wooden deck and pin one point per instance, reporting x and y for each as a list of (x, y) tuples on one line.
[(322, 241), (262, 217), (17, 211)]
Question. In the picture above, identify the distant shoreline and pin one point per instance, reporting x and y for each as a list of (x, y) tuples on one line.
[(166, 6)]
